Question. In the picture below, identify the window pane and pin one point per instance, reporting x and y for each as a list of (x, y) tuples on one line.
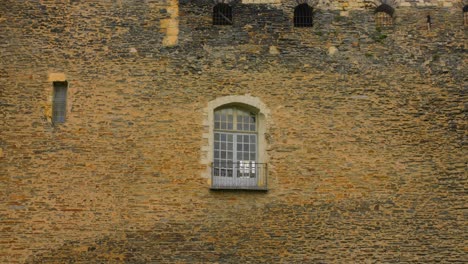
[(239, 147)]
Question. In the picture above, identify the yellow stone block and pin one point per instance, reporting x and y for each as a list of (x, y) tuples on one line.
[(57, 77)]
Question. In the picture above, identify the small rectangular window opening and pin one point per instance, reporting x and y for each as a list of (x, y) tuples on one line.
[(59, 103)]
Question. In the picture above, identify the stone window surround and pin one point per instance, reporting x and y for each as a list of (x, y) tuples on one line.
[(53, 77), (244, 101)]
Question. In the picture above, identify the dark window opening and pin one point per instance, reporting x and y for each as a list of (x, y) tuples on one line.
[(222, 14), (59, 104), (303, 16), (465, 15), (384, 15)]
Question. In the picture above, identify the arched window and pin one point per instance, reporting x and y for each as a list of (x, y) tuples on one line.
[(384, 16), (465, 15), (303, 16), (235, 151), (222, 14)]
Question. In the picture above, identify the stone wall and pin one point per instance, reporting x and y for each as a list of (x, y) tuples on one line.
[(365, 134)]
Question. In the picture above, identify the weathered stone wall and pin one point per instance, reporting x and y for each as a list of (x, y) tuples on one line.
[(365, 133)]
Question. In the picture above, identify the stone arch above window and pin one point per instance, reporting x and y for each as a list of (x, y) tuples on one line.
[(222, 14), (303, 15), (234, 149), (384, 15)]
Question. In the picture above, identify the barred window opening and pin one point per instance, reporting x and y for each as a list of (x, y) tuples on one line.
[(303, 16), (222, 14), (384, 16)]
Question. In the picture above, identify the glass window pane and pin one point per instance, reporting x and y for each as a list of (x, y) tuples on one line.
[(252, 127), (239, 147), (217, 125), (216, 136), (252, 156), (253, 139), (223, 154), (246, 127), (229, 155), (246, 147), (229, 138), (223, 137)]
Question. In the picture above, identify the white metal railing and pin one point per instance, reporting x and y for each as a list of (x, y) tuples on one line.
[(246, 175)]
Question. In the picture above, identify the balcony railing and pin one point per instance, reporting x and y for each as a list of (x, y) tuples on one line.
[(242, 175)]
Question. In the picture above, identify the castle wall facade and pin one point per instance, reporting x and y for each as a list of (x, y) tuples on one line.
[(362, 129)]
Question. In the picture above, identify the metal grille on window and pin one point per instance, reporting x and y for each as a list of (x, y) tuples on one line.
[(222, 14), (303, 16), (59, 104), (384, 16), (383, 19)]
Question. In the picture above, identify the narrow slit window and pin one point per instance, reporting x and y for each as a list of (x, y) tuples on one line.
[(303, 16), (465, 15), (59, 104), (384, 16), (222, 14)]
